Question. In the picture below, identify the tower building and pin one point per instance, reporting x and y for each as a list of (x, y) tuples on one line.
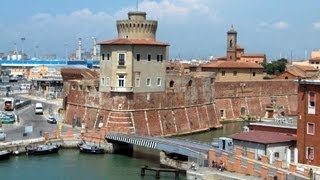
[(232, 45), (134, 62)]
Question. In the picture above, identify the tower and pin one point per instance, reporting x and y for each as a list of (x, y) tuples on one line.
[(232, 45), (137, 27)]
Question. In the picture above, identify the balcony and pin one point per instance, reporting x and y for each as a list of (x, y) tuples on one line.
[(121, 89)]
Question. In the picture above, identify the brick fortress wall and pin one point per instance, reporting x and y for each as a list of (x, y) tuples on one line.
[(186, 107), (254, 96)]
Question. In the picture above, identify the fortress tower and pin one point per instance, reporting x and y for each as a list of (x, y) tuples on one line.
[(137, 27)]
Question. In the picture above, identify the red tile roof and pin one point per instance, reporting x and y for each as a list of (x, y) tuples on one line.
[(253, 55), (306, 68), (263, 137), (232, 65), (133, 42)]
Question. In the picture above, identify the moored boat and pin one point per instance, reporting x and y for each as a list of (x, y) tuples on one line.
[(90, 149), (5, 154), (42, 149)]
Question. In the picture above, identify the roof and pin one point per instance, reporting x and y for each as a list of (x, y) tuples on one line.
[(263, 137), (306, 68), (254, 55), (133, 42), (315, 59), (295, 73), (232, 65), (71, 73)]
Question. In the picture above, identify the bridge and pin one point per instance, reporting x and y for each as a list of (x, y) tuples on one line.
[(172, 145), (49, 62)]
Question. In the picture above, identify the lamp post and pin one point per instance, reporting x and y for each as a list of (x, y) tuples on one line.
[(22, 44)]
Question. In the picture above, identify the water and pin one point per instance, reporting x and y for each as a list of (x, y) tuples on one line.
[(70, 164)]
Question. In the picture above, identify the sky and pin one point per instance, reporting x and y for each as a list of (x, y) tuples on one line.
[(195, 29)]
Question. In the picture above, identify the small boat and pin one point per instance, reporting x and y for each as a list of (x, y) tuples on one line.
[(90, 149), (42, 149), (5, 154)]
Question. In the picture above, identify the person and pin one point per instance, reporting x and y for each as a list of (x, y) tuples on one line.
[(193, 165), (311, 173), (213, 164), (221, 166)]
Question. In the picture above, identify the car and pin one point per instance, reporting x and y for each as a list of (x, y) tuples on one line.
[(51, 120), (2, 136)]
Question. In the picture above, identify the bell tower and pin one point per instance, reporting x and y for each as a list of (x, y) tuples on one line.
[(232, 45)]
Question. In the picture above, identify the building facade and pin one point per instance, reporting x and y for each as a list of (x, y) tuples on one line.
[(135, 61), (308, 122)]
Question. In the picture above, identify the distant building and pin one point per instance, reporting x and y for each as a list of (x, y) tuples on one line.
[(231, 67), (298, 72)]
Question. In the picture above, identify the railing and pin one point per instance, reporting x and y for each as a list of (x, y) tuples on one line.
[(122, 89)]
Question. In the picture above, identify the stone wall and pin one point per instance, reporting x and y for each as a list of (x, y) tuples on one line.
[(182, 109), (254, 96)]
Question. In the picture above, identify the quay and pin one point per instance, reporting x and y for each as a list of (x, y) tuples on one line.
[(158, 171)]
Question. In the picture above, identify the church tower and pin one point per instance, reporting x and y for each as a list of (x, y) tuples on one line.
[(232, 45)]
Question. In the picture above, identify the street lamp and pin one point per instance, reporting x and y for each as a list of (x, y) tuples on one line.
[(22, 50)]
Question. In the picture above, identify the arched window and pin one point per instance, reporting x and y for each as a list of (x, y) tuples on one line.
[(190, 83), (231, 43), (171, 83)]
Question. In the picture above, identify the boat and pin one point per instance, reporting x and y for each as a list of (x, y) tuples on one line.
[(42, 149), (5, 154), (90, 149)]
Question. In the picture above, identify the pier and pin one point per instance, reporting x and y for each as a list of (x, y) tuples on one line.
[(158, 171)]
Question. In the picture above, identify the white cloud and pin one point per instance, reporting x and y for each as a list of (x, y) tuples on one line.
[(278, 25), (316, 25)]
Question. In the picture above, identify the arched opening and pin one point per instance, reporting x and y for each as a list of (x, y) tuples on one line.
[(171, 83), (190, 83)]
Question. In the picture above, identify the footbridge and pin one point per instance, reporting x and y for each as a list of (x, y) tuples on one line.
[(172, 145)]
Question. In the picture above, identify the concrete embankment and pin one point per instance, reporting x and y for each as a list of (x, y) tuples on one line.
[(66, 143)]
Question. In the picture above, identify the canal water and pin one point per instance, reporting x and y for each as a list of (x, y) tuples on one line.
[(71, 165)]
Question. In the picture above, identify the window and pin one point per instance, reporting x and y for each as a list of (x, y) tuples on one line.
[(149, 57), (310, 128), (120, 80), (310, 153), (102, 57), (243, 111), (137, 82), (80, 87), (138, 57), (159, 82), (235, 73), (73, 87), (103, 82), (108, 81), (223, 73), (159, 58), (171, 84), (222, 114), (254, 74), (276, 154), (121, 59), (108, 56), (312, 102), (148, 82)]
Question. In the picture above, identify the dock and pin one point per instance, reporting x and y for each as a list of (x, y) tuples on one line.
[(158, 171)]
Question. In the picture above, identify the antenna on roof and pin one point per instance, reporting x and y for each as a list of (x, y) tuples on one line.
[(137, 5)]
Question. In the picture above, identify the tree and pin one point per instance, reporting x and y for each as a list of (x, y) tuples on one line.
[(275, 67)]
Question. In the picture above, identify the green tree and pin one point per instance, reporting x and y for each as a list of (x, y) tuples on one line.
[(275, 67)]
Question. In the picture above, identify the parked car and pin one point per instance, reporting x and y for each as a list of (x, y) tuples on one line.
[(2, 136), (52, 120)]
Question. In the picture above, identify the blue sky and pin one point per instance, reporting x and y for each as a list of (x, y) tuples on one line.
[(194, 28)]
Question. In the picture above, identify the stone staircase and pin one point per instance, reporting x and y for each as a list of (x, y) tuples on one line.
[(121, 122)]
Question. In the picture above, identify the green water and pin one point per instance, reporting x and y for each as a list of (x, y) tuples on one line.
[(70, 164)]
